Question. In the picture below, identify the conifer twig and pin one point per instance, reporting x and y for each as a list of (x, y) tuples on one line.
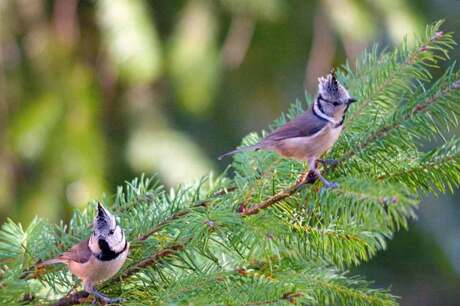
[(410, 60), (383, 131), (158, 227), (184, 212), (283, 194)]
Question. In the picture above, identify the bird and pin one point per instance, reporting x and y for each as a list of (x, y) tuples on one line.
[(97, 258), (313, 133)]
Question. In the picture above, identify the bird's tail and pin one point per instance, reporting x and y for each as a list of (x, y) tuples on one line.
[(38, 268), (50, 262), (239, 150)]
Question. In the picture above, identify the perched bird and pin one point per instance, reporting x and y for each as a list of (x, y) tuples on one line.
[(98, 258), (314, 132)]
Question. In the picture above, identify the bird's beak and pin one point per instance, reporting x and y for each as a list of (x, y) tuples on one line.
[(103, 218), (352, 100), (101, 212)]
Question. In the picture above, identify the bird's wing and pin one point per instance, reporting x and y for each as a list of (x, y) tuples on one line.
[(304, 125), (79, 253)]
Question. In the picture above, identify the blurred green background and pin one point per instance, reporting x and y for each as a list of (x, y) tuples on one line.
[(93, 93)]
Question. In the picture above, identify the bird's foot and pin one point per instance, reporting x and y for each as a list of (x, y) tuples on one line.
[(114, 300), (105, 299), (328, 185), (329, 162)]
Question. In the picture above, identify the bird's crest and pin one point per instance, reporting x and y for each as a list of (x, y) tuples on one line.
[(330, 88)]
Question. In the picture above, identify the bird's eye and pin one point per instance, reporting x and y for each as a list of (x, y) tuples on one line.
[(336, 103), (111, 232)]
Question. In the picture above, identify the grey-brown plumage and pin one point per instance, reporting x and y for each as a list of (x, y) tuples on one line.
[(98, 258), (314, 132)]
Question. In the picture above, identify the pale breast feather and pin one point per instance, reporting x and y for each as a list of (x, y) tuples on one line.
[(305, 148), (96, 270)]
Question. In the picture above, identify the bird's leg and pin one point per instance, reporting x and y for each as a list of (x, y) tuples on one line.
[(99, 295), (72, 290), (302, 178), (326, 183), (309, 176)]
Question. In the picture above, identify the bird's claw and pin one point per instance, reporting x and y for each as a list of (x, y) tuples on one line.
[(329, 162), (114, 300), (105, 299), (328, 185)]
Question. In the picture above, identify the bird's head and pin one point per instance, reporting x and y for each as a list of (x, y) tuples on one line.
[(333, 98), (107, 234)]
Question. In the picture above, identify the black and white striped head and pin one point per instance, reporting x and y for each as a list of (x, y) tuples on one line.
[(107, 235), (333, 98)]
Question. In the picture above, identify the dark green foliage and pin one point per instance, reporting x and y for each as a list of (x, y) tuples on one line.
[(194, 244)]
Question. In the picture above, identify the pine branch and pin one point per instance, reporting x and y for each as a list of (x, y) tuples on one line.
[(438, 168), (387, 129), (392, 72)]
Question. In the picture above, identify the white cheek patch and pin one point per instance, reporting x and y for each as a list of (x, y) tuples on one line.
[(321, 114), (117, 241), (119, 235), (94, 245)]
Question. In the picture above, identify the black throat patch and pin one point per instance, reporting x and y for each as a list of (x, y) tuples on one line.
[(106, 252)]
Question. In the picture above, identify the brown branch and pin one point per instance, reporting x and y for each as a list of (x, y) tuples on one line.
[(80, 297), (150, 261), (310, 178)]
